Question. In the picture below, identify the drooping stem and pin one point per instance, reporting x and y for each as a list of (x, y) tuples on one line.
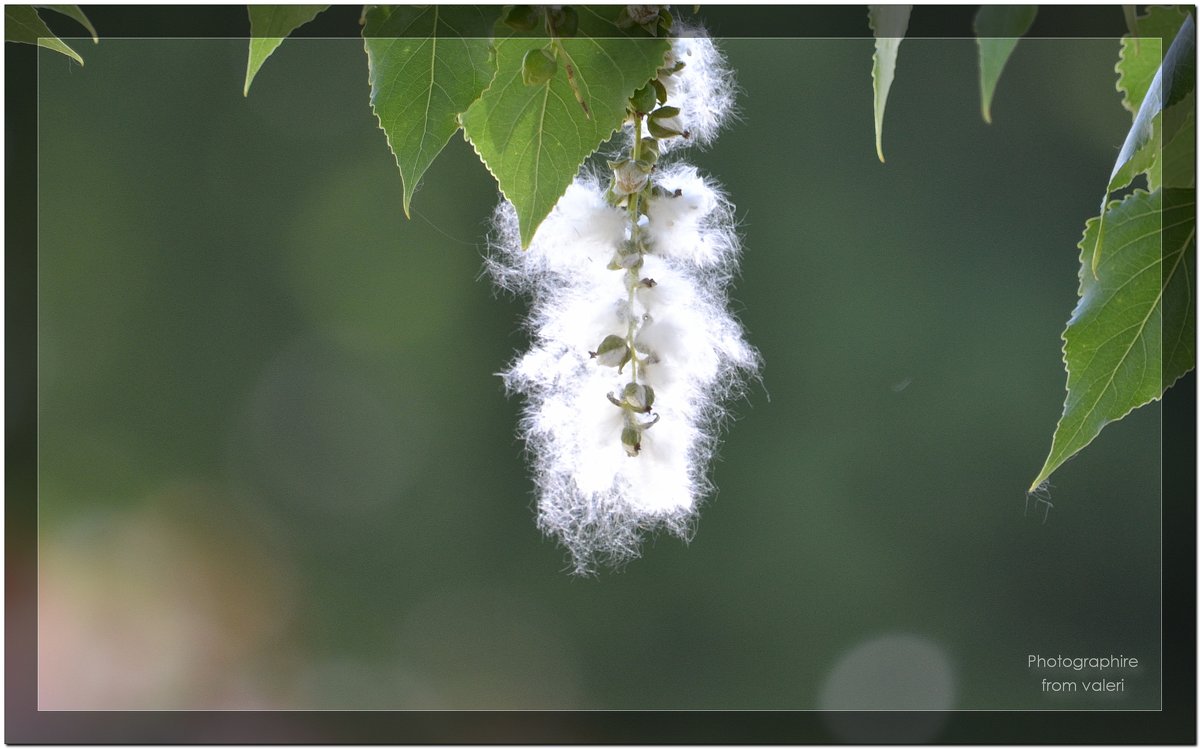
[(630, 275), (636, 155)]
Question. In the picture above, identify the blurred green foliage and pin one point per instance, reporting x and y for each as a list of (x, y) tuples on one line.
[(240, 331)]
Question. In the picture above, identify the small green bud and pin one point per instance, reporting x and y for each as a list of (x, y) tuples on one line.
[(664, 113), (639, 397), (644, 99), (564, 21), (522, 18), (538, 67), (612, 352), (631, 440)]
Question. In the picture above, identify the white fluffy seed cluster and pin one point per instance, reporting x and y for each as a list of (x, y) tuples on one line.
[(705, 85), (593, 496)]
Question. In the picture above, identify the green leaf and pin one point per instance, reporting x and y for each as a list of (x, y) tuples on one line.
[(535, 138), (1142, 53), (1131, 334), (23, 24), (1143, 160), (997, 30), (426, 66), (1177, 164), (75, 13), (269, 26), (1174, 80), (888, 22), (1168, 158)]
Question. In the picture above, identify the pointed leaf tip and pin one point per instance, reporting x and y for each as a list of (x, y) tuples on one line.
[(269, 26), (23, 24), (888, 22), (1131, 334), (426, 66), (997, 30), (533, 139)]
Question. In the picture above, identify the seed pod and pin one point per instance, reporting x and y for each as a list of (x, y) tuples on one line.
[(664, 122), (658, 130), (642, 14), (630, 176), (564, 21), (665, 20), (660, 90), (639, 397), (522, 18), (612, 352), (649, 151), (664, 113), (538, 67), (631, 440)]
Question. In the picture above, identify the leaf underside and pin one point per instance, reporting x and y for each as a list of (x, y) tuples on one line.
[(888, 22), (997, 30), (534, 139), (269, 26), (1130, 336), (426, 66)]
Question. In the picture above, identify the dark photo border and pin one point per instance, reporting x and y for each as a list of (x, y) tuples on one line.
[(1175, 723)]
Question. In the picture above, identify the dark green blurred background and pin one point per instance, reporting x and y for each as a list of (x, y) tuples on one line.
[(277, 469)]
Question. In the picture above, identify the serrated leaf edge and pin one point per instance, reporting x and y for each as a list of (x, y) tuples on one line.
[(533, 230), (1043, 476)]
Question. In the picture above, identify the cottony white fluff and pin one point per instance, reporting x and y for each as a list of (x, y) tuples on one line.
[(703, 89), (593, 497)]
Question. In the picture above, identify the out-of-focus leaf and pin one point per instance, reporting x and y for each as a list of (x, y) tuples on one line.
[(997, 30), (75, 13), (23, 24), (269, 26), (888, 22)]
